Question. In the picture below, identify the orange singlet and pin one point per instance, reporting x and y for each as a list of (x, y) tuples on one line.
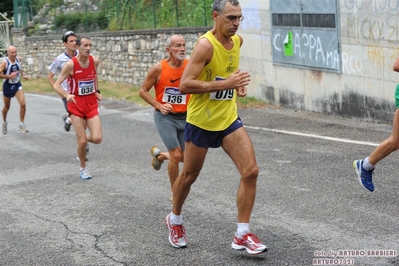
[(167, 88)]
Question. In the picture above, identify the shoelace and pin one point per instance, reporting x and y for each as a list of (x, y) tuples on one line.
[(177, 230), (253, 237), (84, 173)]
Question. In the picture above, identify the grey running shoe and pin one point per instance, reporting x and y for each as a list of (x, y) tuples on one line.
[(156, 164), (84, 174), (67, 126), (23, 128), (4, 128)]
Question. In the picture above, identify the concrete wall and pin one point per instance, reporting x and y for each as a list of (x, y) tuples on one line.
[(365, 88)]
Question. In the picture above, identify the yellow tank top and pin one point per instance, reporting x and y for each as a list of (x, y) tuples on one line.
[(218, 110)]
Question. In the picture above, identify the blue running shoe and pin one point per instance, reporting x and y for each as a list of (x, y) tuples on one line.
[(84, 174), (365, 176)]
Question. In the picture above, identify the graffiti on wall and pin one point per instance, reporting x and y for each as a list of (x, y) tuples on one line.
[(308, 49), (371, 28), (376, 6), (351, 64)]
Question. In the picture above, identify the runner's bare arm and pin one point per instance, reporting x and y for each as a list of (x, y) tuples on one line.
[(66, 71), (150, 80), (3, 67), (50, 78), (396, 65), (200, 57)]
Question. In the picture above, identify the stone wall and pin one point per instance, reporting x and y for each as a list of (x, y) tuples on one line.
[(125, 56)]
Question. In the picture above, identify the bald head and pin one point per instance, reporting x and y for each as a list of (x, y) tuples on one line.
[(12, 51), (11, 48)]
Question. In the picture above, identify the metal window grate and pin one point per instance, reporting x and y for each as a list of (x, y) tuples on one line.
[(318, 20), (308, 20), (288, 20)]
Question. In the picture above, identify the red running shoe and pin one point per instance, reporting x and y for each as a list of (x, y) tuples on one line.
[(250, 242), (177, 233)]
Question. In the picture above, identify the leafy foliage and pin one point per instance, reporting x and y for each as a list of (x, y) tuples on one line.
[(133, 14), (82, 21), (7, 6)]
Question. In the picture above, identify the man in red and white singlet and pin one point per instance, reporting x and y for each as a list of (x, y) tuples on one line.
[(82, 97)]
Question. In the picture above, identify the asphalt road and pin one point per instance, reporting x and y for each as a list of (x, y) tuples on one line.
[(310, 208)]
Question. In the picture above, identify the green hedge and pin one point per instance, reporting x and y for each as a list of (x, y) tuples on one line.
[(89, 21)]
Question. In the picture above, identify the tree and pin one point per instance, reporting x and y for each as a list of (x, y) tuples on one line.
[(6, 6)]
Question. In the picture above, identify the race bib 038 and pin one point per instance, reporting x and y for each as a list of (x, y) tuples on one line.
[(86, 87)]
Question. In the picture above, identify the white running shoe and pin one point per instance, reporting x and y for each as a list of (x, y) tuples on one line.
[(4, 128), (177, 234), (23, 128), (250, 242), (84, 174)]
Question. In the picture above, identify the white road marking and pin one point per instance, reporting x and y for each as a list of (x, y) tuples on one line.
[(366, 143), (314, 136)]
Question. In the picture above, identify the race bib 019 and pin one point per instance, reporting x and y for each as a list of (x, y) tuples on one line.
[(225, 95), (173, 96), (86, 87)]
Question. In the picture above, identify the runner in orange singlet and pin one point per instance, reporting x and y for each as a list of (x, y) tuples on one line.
[(169, 104)]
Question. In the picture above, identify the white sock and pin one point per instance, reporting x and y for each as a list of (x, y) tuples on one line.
[(367, 165), (82, 169), (68, 120), (21, 123), (176, 219), (242, 228)]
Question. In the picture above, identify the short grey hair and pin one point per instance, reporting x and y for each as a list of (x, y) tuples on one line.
[(169, 40), (220, 5), (79, 39)]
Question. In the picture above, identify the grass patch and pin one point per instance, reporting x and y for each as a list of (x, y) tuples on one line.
[(123, 91), (109, 90)]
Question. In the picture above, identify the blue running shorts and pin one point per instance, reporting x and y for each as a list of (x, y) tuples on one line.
[(209, 139), (9, 90)]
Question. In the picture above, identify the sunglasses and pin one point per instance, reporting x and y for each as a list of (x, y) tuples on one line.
[(66, 35), (233, 18)]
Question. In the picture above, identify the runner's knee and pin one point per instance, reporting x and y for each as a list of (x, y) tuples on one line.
[(250, 173), (175, 155), (96, 139)]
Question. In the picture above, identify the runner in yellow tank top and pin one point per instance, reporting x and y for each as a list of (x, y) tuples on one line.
[(217, 110), (213, 79)]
